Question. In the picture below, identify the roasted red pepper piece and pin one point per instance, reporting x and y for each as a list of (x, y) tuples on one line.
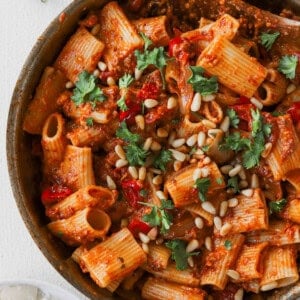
[(149, 90), (136, 226), (129, 114), (244, 113), (55, 193), (294, 111), (131, 191), (173, 43), (243, 100)]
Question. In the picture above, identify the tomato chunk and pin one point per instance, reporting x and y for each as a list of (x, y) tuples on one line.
[(149, 90), (136, 226), (54, 194), (294, 111), (129, 114), (131, 191), (173, 43)]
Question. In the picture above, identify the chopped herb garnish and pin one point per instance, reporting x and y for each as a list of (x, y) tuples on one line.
[(277, 113), (125, 81), (288, 65), (268, 39), (233, 182), (89, 122), (179, 254), (235, 142), (122, 104), (161, 161), (233, 117), (228, 245), (277, 206), (86, 90), (202, 184), (219, 180), (201, 84), (205, 148), (159, 215), (147, 41), (135, 154), (144, 193), (124, 133), (193, 150)]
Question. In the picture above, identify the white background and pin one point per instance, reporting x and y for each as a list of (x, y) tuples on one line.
[(21, 23)]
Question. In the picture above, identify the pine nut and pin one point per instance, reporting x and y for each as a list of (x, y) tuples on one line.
[(224, 126), (247, 192), (162, 133), (150, 103), (142, 173), (145, 247), (257, 103), (96, 73), (233, 274), (242, 174), (207, 206), (161, 195), (147, 143), (223, 208), (190, 261), (155, 146), (110, 81), (102, 66), (225, 229), (197, 174), (120, 152), (267, 150), (209, 124), (199, 223), (133, 172), (144, 238), (69, 85), (178, 155), (138, 73), (140, 121), (269, 286), (209, 98), (155, 171), (233, 202), (213, 132), (233, 172), (110, 183), (218, 223), (196, 102), (157, 180), (205, 172), (95, 29), (243, 184), (124, 223), (192, 140), (172, 102), (178, 143), (192, 245), (291, 88), (206, 160), (121, 163), (201, 139), (239, 295), (254, 181), (153, 233), (172, 137), (199, 152), (208, 243), (226, 168), (177, 165)]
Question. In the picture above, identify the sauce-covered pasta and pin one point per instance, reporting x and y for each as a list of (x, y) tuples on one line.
[(170, 154)]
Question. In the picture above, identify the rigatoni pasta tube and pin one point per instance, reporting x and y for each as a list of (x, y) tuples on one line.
[(234, 68), (89, 196), (82, 52), (291, 211), (76, 170), (53, 142), (44, 101), (113, 259), (84, 226), (158, 256), (155, 288)]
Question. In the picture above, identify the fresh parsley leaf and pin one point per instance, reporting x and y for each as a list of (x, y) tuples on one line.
[(124, 134), (179, 253), (268, 39), (122, 104), (161, 161), (277, 113), (288, 65), (201, 84), (202, 184), (235, 142), (228, 244), (135, 154), (147, 41), (205, 148), (219, 180), (159, 216), (86, 90), (125, 81), (277, 206), (89, 122), (233, 117), (143, 193), (233, 182), (257, 122)]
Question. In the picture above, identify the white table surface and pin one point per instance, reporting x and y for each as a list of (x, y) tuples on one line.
[(21, 23)]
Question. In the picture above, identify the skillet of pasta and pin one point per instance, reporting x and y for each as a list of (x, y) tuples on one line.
[(170, 152)]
